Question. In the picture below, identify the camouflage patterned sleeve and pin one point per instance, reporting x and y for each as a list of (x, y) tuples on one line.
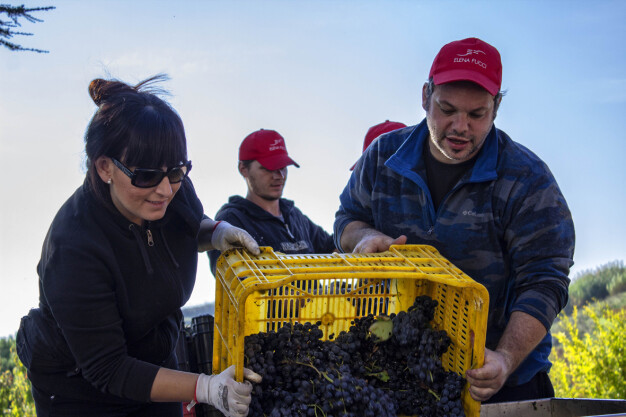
[(356, 198), (539, 237)]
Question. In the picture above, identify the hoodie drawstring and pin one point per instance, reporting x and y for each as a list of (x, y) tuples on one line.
[(168, 248)]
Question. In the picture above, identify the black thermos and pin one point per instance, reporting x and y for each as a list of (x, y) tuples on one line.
[(202, 346)]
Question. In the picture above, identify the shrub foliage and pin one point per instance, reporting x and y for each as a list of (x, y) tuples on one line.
[(593, 364), (15, 396), (598, 284)]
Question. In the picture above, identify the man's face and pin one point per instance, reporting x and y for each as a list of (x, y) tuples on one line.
[(459, 117), (264, 183)]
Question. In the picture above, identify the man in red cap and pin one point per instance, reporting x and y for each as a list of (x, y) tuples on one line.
[(375, 131), (271, 220), (487, 203)]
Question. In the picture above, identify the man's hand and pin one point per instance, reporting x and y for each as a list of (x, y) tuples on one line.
[(377, 242), (486, 381), (522, 334), (360, 237)]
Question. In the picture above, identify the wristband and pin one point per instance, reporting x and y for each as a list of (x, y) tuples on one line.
[(193, 402)]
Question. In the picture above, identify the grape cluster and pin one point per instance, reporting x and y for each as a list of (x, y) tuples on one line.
[(355, 374)]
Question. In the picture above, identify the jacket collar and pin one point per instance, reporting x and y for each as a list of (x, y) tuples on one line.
[(409, 158), (286, 206)]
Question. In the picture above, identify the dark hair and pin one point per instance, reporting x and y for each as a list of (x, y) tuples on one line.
[(247, 163), (430, 87), (133, 125)]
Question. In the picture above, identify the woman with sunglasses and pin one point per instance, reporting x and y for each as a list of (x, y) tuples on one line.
[(118, 263)]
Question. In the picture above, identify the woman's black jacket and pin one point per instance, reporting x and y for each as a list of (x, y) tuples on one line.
[(110, 301)]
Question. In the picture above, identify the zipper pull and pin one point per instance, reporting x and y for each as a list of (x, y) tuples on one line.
[(150, 240)]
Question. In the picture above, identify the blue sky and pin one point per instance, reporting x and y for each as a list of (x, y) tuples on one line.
[(320, 73)]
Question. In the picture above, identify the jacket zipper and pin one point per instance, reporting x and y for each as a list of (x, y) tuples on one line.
[(433, 221), (149, 235)]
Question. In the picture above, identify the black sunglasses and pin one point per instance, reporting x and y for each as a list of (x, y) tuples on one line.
[(148, 178)]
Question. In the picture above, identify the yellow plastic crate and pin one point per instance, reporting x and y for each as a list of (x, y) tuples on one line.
[(260, 293)]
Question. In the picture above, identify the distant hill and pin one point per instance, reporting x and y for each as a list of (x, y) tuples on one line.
[(604, 286), (596, 285)]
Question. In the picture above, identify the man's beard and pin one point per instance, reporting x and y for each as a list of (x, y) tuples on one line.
[(269, 197), (437, 141)]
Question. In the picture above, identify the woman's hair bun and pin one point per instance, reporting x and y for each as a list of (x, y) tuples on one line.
[(101, 90)]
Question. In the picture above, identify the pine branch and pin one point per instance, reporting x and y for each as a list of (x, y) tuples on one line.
[(14, 13), (15, 47)]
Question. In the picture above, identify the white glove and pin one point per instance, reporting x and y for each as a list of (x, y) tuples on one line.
[(221, 391), (226, 236)]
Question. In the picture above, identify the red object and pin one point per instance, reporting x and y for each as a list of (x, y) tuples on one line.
[(268, 147), (377, 130), (188, 413), (469, 59)]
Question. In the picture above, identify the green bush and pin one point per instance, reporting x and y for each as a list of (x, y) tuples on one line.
[(589, 286), (617, 284), (591, 365), (6, 359), (597, 284), (15, 396)]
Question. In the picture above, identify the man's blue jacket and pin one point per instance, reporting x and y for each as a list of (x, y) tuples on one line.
[(505, 224)]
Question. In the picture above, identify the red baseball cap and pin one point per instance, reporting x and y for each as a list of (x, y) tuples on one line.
[(377, 130), (267, 147), (469, 59)]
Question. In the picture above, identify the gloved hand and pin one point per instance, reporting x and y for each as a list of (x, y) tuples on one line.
[(226, 236), (221, 391)]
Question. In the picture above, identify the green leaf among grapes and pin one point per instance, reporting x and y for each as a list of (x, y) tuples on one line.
[(381, 329), (383, 376)]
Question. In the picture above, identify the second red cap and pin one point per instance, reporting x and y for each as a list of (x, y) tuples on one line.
[(377, 130), (268, 147)]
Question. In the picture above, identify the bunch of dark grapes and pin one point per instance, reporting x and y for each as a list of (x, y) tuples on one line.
[(355, 374), (450, 403)]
